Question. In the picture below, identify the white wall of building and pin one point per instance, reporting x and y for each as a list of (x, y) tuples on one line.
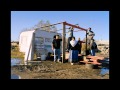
[(24, 40), (43, 39)]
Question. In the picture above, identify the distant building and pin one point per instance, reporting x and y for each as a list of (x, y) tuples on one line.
[(42, 40), (105, 42), (103, 46), (14, 43), (36, 41)]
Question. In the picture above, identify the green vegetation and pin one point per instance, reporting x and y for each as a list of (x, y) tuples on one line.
[(15, 52)]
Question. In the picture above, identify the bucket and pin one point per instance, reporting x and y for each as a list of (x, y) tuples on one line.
[(43, 57), (38, 58)]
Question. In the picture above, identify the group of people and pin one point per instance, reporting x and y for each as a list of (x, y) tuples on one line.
[(74, 48), (91, 44)]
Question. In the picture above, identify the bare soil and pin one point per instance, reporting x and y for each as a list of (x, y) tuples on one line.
[(51, 70)]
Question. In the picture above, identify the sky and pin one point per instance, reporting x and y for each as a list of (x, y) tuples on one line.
[(97, 20)]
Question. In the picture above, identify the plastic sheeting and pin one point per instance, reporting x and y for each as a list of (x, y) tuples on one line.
[(104, 71), (14, 76), (105, 67), (15, 61)]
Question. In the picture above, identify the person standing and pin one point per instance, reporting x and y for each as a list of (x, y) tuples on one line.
[(93, 47), (73, 50), (56, 48), (90, 32), (90, 35), (80, 45), (69, 37)]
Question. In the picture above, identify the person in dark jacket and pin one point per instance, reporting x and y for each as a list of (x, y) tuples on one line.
[(90, 35), (56, 48), (73, 50), (93, 46), (80, 45)]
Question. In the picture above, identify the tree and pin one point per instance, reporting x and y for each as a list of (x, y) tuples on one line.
[(43, 24), (54, 29), (46, 24), (39, 25)]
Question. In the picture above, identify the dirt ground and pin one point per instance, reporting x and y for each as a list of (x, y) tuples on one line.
[(51, 70)]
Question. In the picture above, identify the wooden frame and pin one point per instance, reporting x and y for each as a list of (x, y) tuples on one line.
[(64, 35)]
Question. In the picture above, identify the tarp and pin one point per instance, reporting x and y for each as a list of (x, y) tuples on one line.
[(104, 71)]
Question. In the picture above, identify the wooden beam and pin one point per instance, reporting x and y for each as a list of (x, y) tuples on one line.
[(63, 42), (86, 43), (51, 25), (75, 26)]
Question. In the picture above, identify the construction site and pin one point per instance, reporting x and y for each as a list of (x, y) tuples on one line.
[(38, 56)]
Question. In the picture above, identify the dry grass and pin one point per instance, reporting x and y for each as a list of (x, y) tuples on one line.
[(16, 54), (84, 47)]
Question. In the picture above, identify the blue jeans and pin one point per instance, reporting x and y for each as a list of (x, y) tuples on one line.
[(73, 57), (92, 52), (57, 53)]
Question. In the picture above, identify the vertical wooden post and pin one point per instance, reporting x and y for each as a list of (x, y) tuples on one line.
[(30, 54), (63, 42), (32, 47), (86, 43)]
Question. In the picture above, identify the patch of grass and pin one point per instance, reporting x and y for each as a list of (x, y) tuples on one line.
[(99, 51), (16, 54)]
